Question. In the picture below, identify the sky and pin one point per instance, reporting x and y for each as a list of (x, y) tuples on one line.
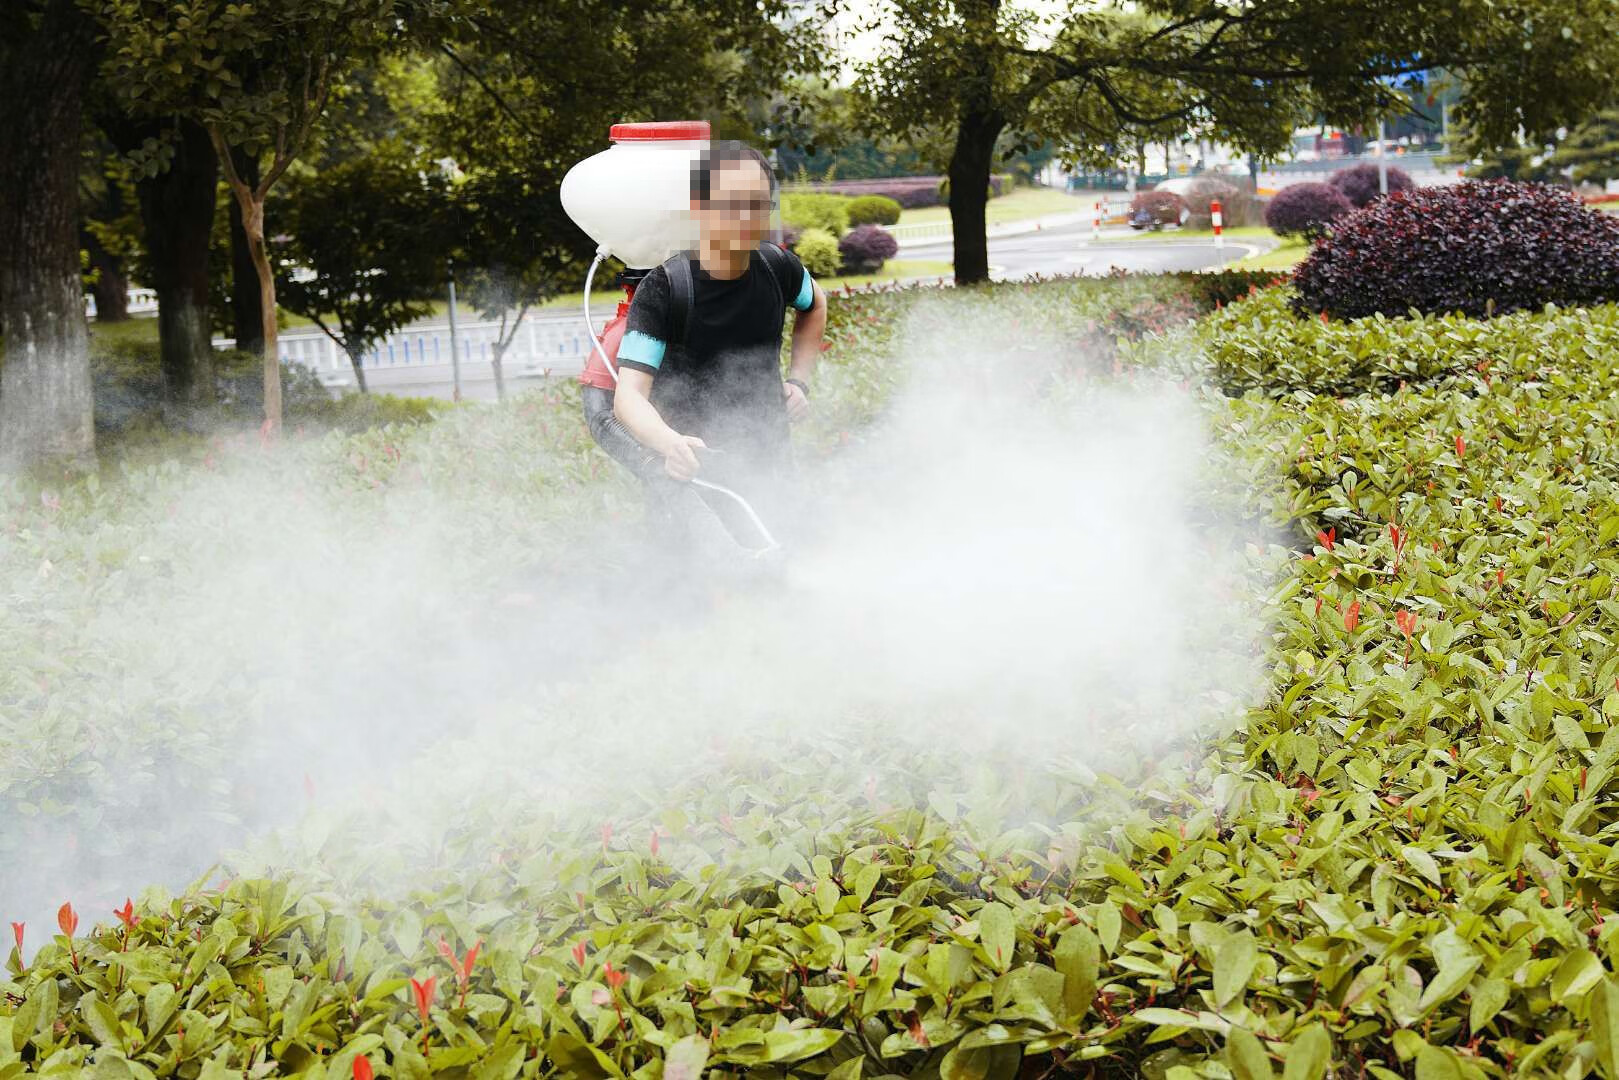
[(867, 45)]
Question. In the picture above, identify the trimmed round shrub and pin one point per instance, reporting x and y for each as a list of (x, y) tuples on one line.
[(1164, 206), (865, 248), (873, 210), (1237, 206), (1479, 247), (816, 211), (1306, 210), (1359, 183), (817, 249)]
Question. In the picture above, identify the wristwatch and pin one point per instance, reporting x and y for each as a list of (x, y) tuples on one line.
[(801, 384)]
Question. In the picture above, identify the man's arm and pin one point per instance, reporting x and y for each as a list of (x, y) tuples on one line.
[(809, 327), (633, 406)]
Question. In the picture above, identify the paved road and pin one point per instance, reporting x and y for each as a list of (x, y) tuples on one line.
[(1064, 249), (1069, 249)]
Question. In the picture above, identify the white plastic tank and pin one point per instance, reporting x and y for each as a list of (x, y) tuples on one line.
[(633, 198)]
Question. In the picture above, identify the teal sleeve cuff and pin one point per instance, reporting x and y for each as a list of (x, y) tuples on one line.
[(806, 294), (639, 348)]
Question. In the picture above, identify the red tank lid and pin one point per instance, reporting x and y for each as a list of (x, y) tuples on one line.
[(659, 130)]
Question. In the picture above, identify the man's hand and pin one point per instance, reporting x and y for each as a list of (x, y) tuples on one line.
[(797, 403), (680, 456)]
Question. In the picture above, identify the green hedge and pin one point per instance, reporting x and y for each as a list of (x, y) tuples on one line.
[(874, 210), (127, 382), (817, 211), (817, 249), (1401, 866), (1261, 345)]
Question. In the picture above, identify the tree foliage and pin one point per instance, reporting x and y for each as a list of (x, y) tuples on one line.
[(1101, 77), (1591, 151), (257, 76), (373, 233)]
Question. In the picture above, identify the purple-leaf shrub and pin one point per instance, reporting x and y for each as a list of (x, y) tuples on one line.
[(1481, 248)]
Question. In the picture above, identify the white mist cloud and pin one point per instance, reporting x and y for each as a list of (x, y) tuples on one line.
[(998, 572)]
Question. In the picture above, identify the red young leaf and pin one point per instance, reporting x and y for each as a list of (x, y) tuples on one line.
[(67, 919), (424, 994)]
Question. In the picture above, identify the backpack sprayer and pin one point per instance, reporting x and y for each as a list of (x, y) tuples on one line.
[(632, 200)]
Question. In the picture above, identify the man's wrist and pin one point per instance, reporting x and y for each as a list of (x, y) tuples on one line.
[(800, 383)]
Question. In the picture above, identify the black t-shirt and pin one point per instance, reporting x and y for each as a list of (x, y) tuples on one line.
[(725, 385)]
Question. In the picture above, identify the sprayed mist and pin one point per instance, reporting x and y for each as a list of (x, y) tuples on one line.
[(1012, 570)]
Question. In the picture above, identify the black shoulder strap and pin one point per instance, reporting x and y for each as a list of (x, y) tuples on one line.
[(775, 260), (682, 296)]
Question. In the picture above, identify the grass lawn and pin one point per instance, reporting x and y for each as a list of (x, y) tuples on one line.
[(118, 333), (1020, 204), (1246, 232), (1284, 256)]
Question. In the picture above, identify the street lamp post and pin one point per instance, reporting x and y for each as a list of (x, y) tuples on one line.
[(1382, 158), (455, 345)]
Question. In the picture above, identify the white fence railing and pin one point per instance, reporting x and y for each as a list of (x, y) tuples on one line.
[(917, 232), (139, 302), (542, 344)]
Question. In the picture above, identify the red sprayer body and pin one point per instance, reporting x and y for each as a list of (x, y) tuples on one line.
[(595, 373)]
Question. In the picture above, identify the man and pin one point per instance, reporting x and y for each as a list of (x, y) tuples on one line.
[(723, 391)]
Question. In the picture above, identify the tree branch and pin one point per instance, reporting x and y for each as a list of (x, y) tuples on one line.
[(1126, 113), (341, 343), (499, 101), (243, 193), (522, 310), (285, 153)]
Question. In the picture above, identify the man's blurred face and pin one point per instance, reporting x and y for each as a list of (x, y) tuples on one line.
[(738, 208)]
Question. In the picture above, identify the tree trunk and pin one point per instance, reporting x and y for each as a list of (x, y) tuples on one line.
[(359, 368), (980, 123), (250, 200), (111, 288), (246, 305), (46, 406), (252, 207), (969, 192), (177, 211), (497, 352), (253, 225)]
